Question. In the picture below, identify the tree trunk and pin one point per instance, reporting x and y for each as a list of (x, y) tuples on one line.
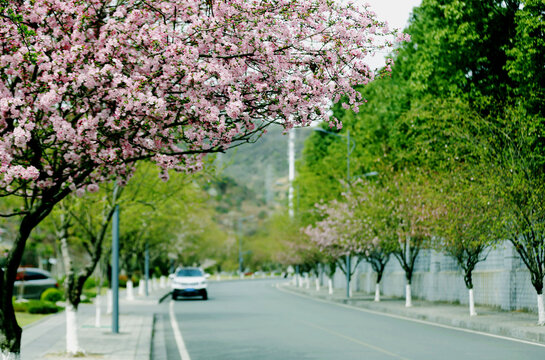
[(472, 311), (377, 292), (330, 285), (10, 331), (540, 310), (98, 310), (72, 343), (317, 281), (408, 297)]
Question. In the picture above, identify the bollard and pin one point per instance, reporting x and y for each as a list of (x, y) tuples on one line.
[(130, 292)]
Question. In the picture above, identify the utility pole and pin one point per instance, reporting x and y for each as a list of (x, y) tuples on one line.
[(291, 171), (115, 271)]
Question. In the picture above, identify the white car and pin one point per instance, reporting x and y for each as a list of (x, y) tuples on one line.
[(189, 282)]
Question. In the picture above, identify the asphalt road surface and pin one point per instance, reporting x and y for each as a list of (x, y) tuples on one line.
[(253, 320)]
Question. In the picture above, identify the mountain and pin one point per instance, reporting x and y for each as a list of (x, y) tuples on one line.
[(263, 166)]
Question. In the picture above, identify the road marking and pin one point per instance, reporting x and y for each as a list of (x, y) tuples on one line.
[(376, 348), (413, 320), (178, 334)]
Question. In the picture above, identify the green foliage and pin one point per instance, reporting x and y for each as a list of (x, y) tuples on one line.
[(52, 295), (527, 56), (20, 306), (90, 283), (35, 306), (88, 295), (42, 307), (277, 240)]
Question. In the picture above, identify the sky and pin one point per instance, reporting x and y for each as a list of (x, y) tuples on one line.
[(395, 12)]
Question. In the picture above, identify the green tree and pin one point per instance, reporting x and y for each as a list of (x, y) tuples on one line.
[(467, 215), (518, 180), (527, 56), (413, 215)]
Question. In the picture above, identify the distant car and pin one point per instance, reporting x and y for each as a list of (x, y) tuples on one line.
[(189, 282), (30, 283)]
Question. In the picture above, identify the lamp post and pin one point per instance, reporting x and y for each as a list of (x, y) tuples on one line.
[(115, 271), (348, 151)]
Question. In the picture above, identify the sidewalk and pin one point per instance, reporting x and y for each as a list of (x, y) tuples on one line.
[(512, 324), (46, 339)]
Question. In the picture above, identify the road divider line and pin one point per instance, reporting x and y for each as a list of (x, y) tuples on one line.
[(401, 317), (357, 341), (178, 334)]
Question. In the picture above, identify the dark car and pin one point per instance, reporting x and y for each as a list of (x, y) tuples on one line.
[(30, 283)]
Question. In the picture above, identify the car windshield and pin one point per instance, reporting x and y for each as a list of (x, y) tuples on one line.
[(189, 272)]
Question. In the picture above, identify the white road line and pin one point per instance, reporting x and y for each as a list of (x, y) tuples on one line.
[(178, 334), (357, 341), (413, 320)]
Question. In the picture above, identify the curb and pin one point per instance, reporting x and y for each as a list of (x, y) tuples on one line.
[(164, 297), (145, 337), (513, 332)]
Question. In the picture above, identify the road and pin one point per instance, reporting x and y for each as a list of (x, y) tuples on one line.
[(249, 320)]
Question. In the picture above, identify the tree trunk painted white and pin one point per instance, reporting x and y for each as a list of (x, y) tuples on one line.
[(377, 292), (109, 301), (5, 355), (218, 277), (408, 298), (317, 281), (307, 281), (472, 311), (97, 310), (162, 282), (130, 291), (350, 289), (141, 287), (72, 345), (299, 280), (330, 285), (540, 310)]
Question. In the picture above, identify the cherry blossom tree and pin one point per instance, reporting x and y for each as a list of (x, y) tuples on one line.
[(373, 207), (359, 225), (337, 235), (88, 87)]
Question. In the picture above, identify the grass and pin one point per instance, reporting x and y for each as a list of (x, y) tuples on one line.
[(24, 319)]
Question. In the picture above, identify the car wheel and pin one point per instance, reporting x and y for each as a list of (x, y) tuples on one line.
[(204, 295), (174, 296)]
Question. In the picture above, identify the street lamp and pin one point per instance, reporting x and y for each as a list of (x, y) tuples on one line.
[(348, 152)]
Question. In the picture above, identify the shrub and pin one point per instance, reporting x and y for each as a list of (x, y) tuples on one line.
[(90, 283), (20, 306), (52, 295), (42, 307), (123, 280), (89, 294), (135, 279)]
